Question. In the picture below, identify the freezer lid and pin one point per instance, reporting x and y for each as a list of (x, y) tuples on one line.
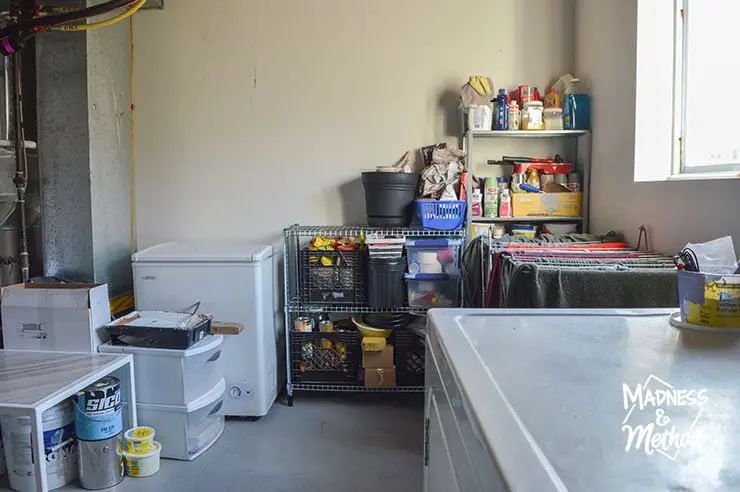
[(210, 251), (549, 393)]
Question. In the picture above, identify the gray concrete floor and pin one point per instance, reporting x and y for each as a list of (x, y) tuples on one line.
[(325, 443)]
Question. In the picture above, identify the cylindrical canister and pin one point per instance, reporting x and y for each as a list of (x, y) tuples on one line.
[(101, 463), (303, 324), (98, 410), (561, 179)]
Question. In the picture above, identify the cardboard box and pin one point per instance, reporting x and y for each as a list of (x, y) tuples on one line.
[(380, 377), (55, 317), (226, 328), (548, 204), (384, 358)]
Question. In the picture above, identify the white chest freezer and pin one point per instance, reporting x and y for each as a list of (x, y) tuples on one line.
[(579, 401), (233, 281)]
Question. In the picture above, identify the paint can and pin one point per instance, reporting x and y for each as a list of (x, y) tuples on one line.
[(516, 180), (98, 410), (59, 446), (303, 324), (101, 463), (562, 179)]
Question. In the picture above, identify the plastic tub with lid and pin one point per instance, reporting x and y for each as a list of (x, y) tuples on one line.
[(174, 377), (186, 431)]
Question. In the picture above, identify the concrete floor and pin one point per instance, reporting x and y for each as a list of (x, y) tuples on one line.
[(325, 443)]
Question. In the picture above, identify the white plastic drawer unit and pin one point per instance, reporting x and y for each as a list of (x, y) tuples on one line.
[(186, 431), (174, 377)]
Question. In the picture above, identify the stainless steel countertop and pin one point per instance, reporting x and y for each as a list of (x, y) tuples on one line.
[(545, 393)]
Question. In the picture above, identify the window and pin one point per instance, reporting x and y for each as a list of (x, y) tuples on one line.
[(707, 79)]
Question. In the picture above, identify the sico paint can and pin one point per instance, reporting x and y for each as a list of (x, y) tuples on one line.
[(98, 410)]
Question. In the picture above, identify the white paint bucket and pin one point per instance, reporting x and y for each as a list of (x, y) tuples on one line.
[(59, 441), (143, 465)]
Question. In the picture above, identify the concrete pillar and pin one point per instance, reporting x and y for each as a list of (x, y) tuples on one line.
[(84, 126)]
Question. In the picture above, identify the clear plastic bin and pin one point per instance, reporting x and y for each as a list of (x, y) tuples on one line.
[(434, 256), (433, 291)]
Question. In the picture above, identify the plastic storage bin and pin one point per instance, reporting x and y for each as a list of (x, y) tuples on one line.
[(441, 215), (434, 256), (433, 291), (186, 431), (174, 377)]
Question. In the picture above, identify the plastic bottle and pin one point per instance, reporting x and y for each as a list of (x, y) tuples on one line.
[(476, 203), (552, 99), (515, 116), (505, 205), (502, 110), (576, 107), (490, 198)]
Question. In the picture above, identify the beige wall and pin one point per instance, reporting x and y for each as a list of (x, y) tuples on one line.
[(675, 212), (255, 114)]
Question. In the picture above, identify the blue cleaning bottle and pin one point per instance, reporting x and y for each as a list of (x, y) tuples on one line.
[(502, 110), (577, 108)]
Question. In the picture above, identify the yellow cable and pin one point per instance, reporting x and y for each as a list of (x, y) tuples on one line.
[(123, 15)]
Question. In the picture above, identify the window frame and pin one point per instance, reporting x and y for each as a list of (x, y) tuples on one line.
[(680, 92)]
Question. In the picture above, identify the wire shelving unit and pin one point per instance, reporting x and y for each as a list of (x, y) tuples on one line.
[(300, 345)]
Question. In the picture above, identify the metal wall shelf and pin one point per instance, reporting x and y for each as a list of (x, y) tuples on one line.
[(354, 388), (296, 307), (578, 150), (495, 220), (356, 230), (528, 133)]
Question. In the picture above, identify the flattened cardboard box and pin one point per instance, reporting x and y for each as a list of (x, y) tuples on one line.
[(55, 317)]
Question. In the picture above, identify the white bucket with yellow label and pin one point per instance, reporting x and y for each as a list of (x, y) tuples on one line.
[(143, 465)]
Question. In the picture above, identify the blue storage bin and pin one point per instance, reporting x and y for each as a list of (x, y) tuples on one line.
[(441, 215)]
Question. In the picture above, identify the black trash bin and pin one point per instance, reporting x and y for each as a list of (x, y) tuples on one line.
[(386, 286), (389, 198)]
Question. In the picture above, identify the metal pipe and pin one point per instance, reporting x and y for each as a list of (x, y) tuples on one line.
[(6, 97), (21, 166)]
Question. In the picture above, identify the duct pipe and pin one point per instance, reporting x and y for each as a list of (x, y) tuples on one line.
[(21, 166)]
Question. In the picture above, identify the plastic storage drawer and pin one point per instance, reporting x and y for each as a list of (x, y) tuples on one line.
[(433, 291), (434, 256), (186, 432), (174, 377)]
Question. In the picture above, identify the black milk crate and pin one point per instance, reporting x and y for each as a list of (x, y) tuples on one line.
[(321, 357), (408, 355), (333, 277)]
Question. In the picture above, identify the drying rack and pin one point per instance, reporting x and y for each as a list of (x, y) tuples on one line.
[(568, 255), (296, 305)]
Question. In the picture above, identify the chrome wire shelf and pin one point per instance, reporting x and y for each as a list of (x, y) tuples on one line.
[(296, 238), (295, 306), (356, 230), (355, 388)]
